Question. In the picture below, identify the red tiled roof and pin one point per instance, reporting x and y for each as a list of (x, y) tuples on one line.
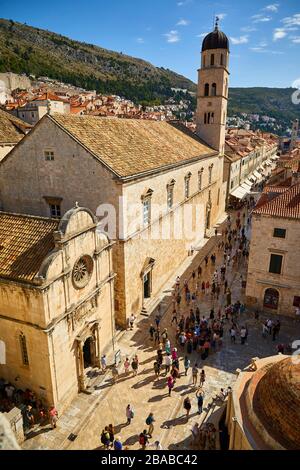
[(286, 204), (49, 96)]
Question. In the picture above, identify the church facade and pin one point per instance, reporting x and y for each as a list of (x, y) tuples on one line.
[(56, 303), (161, 185)]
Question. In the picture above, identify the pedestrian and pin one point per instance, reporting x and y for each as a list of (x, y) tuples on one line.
[(206, 260), (115, 373), (151, 332), (264, 330), (243, 334), (200, 399), (134, 366), (131, 321), (157, 335), (193, 275), (126, 365), (118, 444), (202, 378), (199, 271), (29, 417), (232, 334), (187, 406), (53, 415), (156, 446), (177, 282), (203, 287), (216, 232), (170, 384), (207, 287), (164, 336), (195, 374), (156, 367), (143, 439), (149, 421), (103, 363), (105, 438), (187, 364), (111, 432), (174, 317), (129, 413)]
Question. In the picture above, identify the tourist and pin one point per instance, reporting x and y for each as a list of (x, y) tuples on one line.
[(174, 316), (187, 406), (195, 374), (168, 363), (200, 399), (170, 384), (193, 275), (203, 287), (202, 378), (156, 367), (269, 325), (164, 336), (177, 282), (29, 417), (126, 366), (53, 415), (232, 334), (265, 330), (134, 366), (105, 438), (131, 321), (243, 334), (143, 439), (149, 421), (174, 354), (118, 444), (187, 364), (103, 363), (206, 260), (111, 434), (276, 329), (195, 432), (157, 336), (156, 446), (115, 373), (199, 271), (151, 332), (129, 414)]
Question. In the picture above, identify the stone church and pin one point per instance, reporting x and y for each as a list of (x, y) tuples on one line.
[(56, 302), (151, 173)]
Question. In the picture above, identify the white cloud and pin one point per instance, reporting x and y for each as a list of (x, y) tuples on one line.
[(292, 20), (261, 18), (296, 39), (258, 49), (184, 3), (240, 40), (279, 33), (248, 29), (183, 22), (202, 35), (273, 7), (172, 36), (261, 50), (263, 44), (140, 40)]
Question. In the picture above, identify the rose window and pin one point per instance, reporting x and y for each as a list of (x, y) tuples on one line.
[(82, 271)]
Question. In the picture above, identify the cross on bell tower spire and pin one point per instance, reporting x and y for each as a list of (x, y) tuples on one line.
[(217, 23)]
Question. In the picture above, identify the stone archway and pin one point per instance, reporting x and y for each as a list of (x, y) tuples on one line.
[(88, 353)]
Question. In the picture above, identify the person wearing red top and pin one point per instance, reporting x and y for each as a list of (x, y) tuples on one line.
[(53, 415)]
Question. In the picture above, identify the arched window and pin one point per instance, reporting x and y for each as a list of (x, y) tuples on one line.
[(222, 59), (170, 194), (187, 185), (24, 353), (214, 89), (204, 61), (212, 59), (208, 118), (271, 299), (206, 89)]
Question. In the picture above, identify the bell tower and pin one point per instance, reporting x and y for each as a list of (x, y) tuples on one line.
[(212, 94)]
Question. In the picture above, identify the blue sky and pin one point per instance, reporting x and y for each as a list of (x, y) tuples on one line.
[(265, 35)]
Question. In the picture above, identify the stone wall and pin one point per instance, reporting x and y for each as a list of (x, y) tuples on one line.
[(263, 244)]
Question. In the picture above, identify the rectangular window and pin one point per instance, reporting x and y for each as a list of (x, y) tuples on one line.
[(24, 352), (187, 187), (200, 173), (55, 211), (146, 211), (49, 155), (210, 174), (218, 201), (275, 264), (279, 233), (170, 197)]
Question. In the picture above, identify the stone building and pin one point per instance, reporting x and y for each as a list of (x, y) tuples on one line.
[(263, 408), (56, 302), (48, 102), (12, 130), (273, 282), (151, 173)]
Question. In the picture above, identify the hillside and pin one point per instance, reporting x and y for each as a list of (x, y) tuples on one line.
[(24, 49), (273, 102)]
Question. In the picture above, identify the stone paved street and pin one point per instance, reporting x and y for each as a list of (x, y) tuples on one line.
[(108, 401)]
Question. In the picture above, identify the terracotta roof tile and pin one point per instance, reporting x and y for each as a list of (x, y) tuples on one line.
[(24, 243), (12, 129), (286, 204), (131, 146)]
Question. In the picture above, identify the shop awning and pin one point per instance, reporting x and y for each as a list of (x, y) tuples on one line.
[(257, 175), (239, 192), (246, 186), (248, 182)]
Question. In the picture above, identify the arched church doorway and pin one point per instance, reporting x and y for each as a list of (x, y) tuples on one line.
[(271, 299), (87, 353)]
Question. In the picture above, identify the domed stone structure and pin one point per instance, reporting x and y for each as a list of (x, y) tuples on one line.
[(215, 40), (263, 411), (276, 402)]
